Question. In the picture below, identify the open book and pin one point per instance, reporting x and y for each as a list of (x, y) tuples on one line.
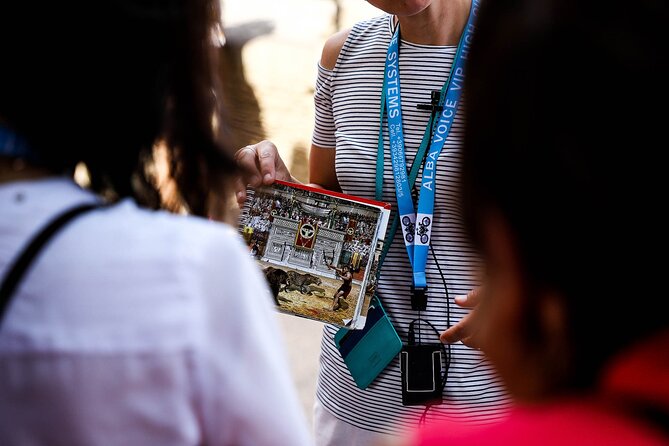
[(313, 244)]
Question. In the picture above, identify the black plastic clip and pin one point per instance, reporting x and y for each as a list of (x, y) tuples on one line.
[(418, 298), (433, 106)]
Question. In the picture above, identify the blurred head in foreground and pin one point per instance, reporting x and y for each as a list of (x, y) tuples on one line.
[(563, 185), (563, 189), (107, 84)]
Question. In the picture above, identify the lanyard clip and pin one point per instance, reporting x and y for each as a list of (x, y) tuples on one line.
[(418, 298), (433, 106)]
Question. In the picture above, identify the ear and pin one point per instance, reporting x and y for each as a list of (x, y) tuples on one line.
[(503, 309), (504, 256), (501, 254), (502, 304), (555, 352), (552, 314), (525, 322)]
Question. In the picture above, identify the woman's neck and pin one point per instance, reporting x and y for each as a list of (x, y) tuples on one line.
[(440, 24)]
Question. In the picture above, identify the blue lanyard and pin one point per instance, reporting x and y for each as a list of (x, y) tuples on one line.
[(416, 226)]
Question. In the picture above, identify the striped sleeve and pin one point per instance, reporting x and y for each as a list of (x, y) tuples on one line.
[(324, 126)]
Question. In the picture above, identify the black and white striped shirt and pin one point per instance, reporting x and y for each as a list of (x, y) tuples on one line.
[(347, 118)]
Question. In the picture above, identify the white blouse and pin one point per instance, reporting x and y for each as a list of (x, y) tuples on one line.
[(136, 327)]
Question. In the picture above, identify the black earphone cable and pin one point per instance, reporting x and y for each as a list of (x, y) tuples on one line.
[(446, 348)]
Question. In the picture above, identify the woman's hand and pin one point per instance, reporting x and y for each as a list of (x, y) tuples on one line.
[(466, 329), (259, 164)]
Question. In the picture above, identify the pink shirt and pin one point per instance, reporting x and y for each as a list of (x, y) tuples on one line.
[(642, 374)]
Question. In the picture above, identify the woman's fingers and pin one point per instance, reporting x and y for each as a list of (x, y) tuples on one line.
[(465, 330), (259, 164), (246, 159), (457, 332), (268, 161), (471, 299)]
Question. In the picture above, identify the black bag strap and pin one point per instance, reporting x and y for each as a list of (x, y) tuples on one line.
[(25, 258)]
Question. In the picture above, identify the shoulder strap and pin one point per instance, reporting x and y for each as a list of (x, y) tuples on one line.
[(25, 258)]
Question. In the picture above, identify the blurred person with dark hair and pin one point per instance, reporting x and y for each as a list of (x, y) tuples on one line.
[(563, 185), (131, 325)]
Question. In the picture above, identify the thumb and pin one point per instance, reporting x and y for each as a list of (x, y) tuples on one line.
[(270, 163)]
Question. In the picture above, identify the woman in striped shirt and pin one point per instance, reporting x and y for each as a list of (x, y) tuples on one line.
[(348, 132)]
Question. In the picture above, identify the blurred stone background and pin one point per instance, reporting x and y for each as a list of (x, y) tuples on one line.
[(269, 61)]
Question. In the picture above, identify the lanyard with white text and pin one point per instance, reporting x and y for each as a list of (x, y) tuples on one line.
[(416, 226)]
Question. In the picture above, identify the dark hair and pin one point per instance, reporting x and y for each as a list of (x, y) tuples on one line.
[(102, 83), (563, 139)]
